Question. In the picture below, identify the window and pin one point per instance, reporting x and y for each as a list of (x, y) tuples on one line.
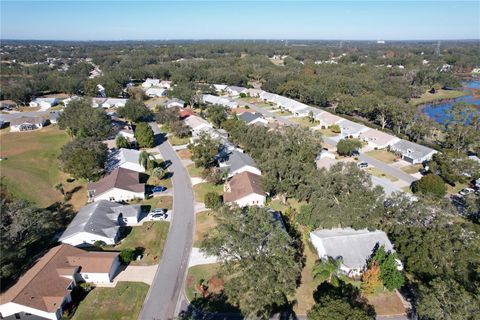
[(85, 276)]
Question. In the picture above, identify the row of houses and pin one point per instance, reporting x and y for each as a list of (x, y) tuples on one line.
[(156, 87), (30, 123)]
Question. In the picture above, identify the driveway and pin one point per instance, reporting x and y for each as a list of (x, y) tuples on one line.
[(167, 289)]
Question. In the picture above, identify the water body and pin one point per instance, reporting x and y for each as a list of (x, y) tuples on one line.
[(438, 111)]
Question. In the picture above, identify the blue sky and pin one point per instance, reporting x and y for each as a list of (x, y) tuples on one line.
[(140, 20)]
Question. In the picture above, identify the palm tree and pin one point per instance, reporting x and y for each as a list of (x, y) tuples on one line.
[(143, 159), (329, 271)]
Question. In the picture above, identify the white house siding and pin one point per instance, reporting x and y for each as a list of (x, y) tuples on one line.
[(86, 238), (119, 195), (132, 166), (97, 278), (246, 168), (11, 308), (251, 200)]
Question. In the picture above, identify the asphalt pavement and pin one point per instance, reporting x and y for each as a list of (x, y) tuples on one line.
[(166, 291)]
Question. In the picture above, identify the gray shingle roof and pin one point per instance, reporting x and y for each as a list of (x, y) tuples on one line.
[(353, 246), (249, 117), (100, 218), (411, 149), (237, 160)]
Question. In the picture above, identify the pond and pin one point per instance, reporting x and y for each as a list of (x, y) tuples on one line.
[(439, 111)]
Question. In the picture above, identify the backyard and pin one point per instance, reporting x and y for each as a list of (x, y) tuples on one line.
[(383, 155), (31, 165), (304, 293), (177, 141), (120, 303), (150, 237), (386, 304), (204, 222)]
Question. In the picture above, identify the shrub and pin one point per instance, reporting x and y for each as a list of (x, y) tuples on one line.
[(431, 184), (213, 200), (127, 256), (346, 147), (144, 135), (335, 128)]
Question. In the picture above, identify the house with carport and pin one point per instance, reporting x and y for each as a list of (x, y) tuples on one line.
[(412, 152)]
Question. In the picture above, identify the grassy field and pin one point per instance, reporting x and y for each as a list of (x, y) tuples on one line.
[(204, 221), (197, 273), (193, 171), (151, 236), (380, 174), (305, 122), (457, 188), (439, 95), (386, 304), (31, 169), (412, 169), (280, 206), (328, 133), (120, 303), (202, 189), (176, 141), (383, 155), (304, 293)]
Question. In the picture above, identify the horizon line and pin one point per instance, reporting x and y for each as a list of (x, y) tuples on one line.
[(239, 39)]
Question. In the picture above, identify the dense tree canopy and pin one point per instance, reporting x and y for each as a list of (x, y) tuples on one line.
[(144, 135), (135, 111), (84, 158)]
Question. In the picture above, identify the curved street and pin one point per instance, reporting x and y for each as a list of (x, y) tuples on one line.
[(166, 291)]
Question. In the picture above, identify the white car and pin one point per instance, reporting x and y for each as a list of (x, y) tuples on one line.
[(466, 191)]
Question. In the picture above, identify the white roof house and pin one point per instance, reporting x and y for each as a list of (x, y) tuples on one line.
[(150, 82), (44, 103), (412, 152), (174, 102), (125, 158), (220, 87), (222, 101), (165, 84), (350, 129), (235, 90), (196, 124), (354, 247), (100, 221), (378, 139), (327, 119), (253, 118), (155, 92), (114, 103), (254, 93)]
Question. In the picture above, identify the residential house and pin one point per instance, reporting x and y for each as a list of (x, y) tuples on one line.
[(155, 92), (235, 90), (53, 116), (220, 87), (7, 104), (244, 189), (196, 124), (165, 84), (378, 139), (237, 162), (114, 103), (350, 129), (150, 83), (254, 93), (119, 185), (412, 152), (222, 101), (44, 103), (44, 290), (100, 221), (126, 159), (174, 102), (253, 118), (354, 247), (327, 119), (26, 124), (325, 159)]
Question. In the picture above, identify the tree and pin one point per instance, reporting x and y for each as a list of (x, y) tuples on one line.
[(216, 114), (462, 126), (431, 184), (371, 279), (204, 150), (179, 129), (144, 135), (84, 121), (346, 147), (328, 271), (145, 160), (335, 128), (214, 175), (159, 172), (213, 200), (122, 142), (260, 262), (166, 115), (392, 278), (135, 111), (127, 256), (84, 158)]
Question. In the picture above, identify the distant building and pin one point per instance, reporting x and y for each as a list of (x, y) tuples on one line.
[(252, 118), (235, 90), (45, 289), (54, 115), (222, 101), (155, 92), (174, 102), (44, 103), (150, 83), (354, 247)]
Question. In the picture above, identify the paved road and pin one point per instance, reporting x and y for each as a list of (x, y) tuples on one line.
[(167, 289), (363, 157)]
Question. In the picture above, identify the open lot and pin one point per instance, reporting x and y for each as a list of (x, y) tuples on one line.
[(150, 237), (31, 169), (120, 303), (201, 189), (386, 304), (204, 221), (305, 122), (383, 155)]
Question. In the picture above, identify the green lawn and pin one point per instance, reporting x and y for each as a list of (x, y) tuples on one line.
[(197, 273), (412, 169), (280, 206), (202, 189), (383, 155), (193, 171), (439, 95), (282, 112), (380, 174), (120, 303), (457, 188), (31, 169), (156, 202), (204, 222), (176, 141), (305, 122), (328, 133), (151, 236)]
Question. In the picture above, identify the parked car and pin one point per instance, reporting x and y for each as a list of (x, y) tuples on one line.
[(159, 216), (158, 189), (466, 191), (158, 211), (362, 165)]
